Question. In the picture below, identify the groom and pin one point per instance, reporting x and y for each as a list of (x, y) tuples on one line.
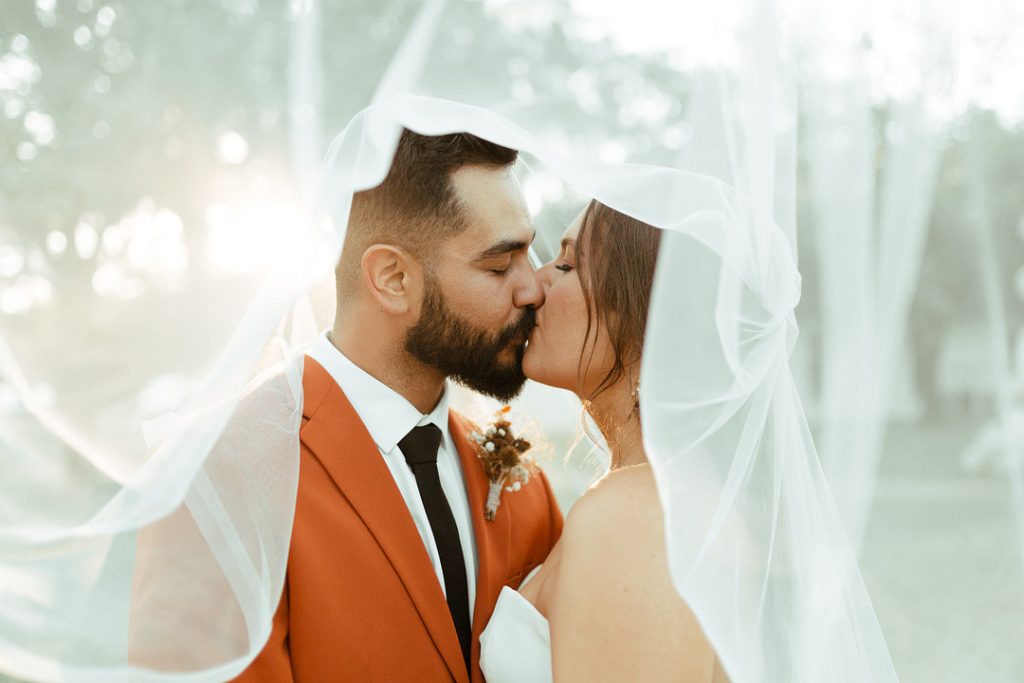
[(393, 571)]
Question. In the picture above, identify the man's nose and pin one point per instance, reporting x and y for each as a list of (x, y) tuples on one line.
[(531, 289)]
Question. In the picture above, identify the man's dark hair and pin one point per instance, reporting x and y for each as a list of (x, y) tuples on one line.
[(416, 208)]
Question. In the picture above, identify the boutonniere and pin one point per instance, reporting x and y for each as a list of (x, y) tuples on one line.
[(504, 458)]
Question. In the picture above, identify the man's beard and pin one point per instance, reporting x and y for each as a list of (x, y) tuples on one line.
[(465, 352)]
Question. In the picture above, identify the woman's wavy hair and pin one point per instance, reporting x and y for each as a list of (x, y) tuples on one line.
[(616, 255)]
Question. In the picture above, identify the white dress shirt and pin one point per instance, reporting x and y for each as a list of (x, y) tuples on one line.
[(388, 417)]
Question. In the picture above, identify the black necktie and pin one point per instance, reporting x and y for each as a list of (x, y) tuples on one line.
[(420, 450)]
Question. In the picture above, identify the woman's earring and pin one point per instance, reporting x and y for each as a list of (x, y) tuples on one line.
[(636, 396)]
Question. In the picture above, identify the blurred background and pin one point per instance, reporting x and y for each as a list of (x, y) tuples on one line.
[(157, 161)]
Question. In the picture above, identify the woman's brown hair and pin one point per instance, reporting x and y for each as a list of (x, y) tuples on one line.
[(616, 255)]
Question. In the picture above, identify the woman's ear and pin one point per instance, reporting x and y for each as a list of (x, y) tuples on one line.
[(391, 277)]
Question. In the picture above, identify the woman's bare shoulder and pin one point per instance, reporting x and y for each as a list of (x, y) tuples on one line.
[(615, 523), (624, 500), (614, 610)]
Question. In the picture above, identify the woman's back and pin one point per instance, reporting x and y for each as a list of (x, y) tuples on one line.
[(607, 593)]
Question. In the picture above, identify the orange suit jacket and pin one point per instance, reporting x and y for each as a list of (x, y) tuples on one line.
[(361, 600)]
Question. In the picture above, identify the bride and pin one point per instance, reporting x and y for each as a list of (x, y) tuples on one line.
[(602, 606)]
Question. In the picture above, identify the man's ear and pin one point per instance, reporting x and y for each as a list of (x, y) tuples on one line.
[(391, 276)]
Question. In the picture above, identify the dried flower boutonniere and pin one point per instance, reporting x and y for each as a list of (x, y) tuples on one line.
[(504, 459)]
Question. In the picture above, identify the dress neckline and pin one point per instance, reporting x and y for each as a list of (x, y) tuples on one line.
[(519, 597)]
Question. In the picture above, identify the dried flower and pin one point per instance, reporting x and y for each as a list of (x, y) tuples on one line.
[(504, 459)]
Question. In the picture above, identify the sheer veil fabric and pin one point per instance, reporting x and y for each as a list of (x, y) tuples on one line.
[(171, 563)]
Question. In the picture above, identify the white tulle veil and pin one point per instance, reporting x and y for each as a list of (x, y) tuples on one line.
[(151, 414)]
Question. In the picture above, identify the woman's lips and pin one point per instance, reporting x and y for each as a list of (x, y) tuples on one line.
[(529, 337)]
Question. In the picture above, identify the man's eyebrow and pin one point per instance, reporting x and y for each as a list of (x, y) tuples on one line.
[(503, 247)]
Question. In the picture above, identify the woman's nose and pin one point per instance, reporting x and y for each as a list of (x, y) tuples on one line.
[(546, 274)]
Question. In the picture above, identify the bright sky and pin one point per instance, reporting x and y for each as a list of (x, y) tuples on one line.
[(958, 50), (687, 29)]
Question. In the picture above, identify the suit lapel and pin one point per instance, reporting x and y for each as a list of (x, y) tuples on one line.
[(337, 437), (492, 538)]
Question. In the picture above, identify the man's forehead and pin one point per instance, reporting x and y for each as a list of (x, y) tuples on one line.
[(488, 187), (493, 204)]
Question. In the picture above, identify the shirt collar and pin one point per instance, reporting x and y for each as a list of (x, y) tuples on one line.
[(387, 415)]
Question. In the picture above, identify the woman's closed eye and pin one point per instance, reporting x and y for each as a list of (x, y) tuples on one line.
[(564, 267)]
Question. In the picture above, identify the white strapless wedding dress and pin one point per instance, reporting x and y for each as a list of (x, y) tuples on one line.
[(515, 647)]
